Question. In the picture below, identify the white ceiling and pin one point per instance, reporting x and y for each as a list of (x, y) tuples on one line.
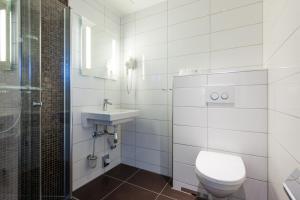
[(129, 6)]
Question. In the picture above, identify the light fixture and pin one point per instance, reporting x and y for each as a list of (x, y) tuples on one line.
[(3, 32), (88, 50)]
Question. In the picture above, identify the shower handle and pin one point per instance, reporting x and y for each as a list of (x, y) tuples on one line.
[(37, 104)]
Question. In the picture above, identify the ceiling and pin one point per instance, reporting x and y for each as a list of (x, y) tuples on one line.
[(129, 6)]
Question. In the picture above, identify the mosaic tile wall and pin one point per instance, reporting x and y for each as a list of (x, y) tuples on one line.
[(52, 80)]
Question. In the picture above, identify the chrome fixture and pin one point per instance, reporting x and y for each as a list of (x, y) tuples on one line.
[(104, 131), (105, 103), (112, 141), (106, 160)]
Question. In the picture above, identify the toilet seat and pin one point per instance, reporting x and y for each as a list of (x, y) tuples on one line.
[(220, 168)]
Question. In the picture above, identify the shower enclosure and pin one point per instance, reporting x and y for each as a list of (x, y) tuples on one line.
[(34, 100)]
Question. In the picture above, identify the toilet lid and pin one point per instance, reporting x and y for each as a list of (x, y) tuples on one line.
[(220, 168)]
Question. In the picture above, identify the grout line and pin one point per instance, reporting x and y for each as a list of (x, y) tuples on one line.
[(278, 80), (107, 195), (162, 190), (126, 182), (284, 113)]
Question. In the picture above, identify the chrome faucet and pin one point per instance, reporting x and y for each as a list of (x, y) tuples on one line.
[(105, 103)]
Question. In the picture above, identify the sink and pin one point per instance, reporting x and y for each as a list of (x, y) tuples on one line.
[(109, 117)]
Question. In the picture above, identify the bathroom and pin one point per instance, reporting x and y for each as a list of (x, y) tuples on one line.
[(158, 100)]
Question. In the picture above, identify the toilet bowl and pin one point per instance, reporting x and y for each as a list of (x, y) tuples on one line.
[(220, 174)]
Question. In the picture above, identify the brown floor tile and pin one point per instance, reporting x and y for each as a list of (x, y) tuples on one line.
[(97, 188), (163, 198), (122, 171), (149, 180), (168, 191), (130, 192)]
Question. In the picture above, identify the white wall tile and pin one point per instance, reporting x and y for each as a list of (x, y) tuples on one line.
[(194, 45), (158, 8), (152, 67), (153, 157), (177, 3), (128, 151), (285, 129), (240, 78), (154, 97), (128, 137), (155, 142), (151, 52), (193, 136), (154, 112), (222, 6), (151, 22), (251, 96), (189, 97), (152, 82), (285, 95), (185, 173), (151, 37), (194, 61), (190, 116), (156, 127), (238, 141), (253, 190), (189, 29), (153, 168), (238, 119), (185, 153), (245, 36), (190, 81), (189, 11), (238, 17), (237, 57)]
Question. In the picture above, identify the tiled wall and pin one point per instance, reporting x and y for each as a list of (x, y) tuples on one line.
[(174, 35), (89, 92), (240, 129), (52, 95), (281, 57)]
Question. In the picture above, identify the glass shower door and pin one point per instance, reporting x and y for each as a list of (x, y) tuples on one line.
[(34, 100), (20, 95)]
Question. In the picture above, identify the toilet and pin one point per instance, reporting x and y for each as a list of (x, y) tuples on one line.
[(220, 174)]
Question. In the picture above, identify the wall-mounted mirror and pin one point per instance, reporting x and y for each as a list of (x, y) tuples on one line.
[(5, 35), (99, 48)]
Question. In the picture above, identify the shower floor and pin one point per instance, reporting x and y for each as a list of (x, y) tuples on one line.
[(129, 183)]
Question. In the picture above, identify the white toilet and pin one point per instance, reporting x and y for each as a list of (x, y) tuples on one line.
[(220, 174)]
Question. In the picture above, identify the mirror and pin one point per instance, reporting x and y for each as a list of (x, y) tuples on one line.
[(99, 48), (5, 35)]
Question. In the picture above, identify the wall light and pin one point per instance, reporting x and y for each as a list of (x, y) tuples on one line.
[(3, 32), (88, 47), (86, 43)]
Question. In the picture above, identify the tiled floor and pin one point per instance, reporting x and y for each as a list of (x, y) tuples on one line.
[(128, 183)]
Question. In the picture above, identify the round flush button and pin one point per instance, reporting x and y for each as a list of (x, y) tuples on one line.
[(214, 96), (225, 96)]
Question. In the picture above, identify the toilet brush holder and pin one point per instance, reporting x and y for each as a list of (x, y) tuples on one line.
[(92, 161)]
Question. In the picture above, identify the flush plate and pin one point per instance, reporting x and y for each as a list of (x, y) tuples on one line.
[(220, 95)]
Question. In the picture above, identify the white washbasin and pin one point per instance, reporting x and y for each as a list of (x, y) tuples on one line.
[(109, 117)]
